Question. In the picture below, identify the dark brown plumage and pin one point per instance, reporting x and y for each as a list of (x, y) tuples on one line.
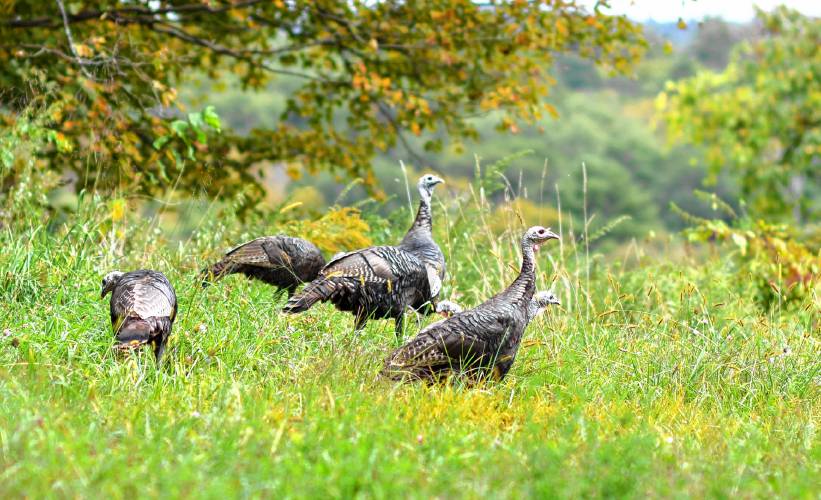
[(281, 261), (377, 282), (143, 307), (477, 342), (383, 281)]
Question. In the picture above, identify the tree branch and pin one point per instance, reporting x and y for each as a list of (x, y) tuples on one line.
[(168, 29), (81, 61), (119, 14), (385, 112)]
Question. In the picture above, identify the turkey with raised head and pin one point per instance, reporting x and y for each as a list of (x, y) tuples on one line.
[(382, 281), (282, 261), (479, 341), (143, 307), (540, 301), (419, 238)]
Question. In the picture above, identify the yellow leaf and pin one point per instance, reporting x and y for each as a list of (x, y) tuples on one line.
[(561, 27), (117, 209), (396, 96), (83, 50), (551, 109)]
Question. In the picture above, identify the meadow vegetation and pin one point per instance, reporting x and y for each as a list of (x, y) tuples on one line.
[(656, 376)]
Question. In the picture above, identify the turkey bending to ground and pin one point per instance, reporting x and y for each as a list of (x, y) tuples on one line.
[(539, 301), (143, 308), (383, 281), (282, 261), (479, 341)]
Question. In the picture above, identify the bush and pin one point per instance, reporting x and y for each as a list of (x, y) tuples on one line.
[(783, 268), (23, 184)]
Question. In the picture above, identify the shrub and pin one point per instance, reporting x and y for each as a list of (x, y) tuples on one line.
[(784, 268)]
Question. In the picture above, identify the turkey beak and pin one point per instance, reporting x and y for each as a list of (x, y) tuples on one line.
[(552, 236), (438, 180)]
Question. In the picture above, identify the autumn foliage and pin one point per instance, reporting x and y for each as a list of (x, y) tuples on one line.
[(369, 73)]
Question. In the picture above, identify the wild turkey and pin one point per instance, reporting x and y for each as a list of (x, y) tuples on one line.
[(539, 301), (382, 281), (143, 308), (282, 261), (419, 238), (445, 308), (479, 341)]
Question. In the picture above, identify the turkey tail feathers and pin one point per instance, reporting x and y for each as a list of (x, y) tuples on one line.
[(138, 331), (134, 332)]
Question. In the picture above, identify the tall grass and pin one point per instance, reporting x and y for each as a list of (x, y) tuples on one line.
[(662, 378)]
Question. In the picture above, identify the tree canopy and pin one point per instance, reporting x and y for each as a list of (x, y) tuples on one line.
[(761, 116), (370, 73)]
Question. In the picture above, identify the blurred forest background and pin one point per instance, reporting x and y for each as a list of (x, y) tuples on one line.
[(609, 123), (637, 174)]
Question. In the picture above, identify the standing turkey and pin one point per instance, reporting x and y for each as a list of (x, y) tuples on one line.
[(383, 281), (539, 301), (479, 341), (143, 308), (419, 240), (282, 261)]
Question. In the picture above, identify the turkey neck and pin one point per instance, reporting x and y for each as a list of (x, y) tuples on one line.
[(420, 235), (524, 285), (419, 238), (423, 219)]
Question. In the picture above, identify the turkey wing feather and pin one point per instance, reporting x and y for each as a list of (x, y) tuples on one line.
[(261, 252), (376, 264)]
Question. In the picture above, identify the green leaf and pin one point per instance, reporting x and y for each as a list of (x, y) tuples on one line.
[(161, 141), (212, 119), (181, 127), (196, 121)]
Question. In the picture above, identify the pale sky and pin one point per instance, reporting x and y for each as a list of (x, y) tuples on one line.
[(729, 10)]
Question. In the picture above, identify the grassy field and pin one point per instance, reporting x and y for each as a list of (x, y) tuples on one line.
[(653, 379)]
